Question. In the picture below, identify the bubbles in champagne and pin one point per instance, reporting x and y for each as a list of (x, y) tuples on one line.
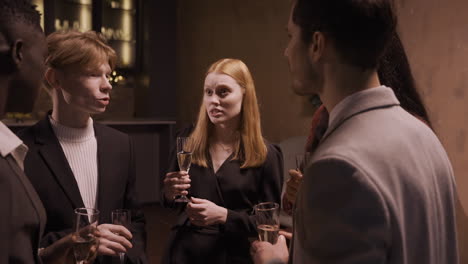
[(184, 159), (268, 233), (85, 248)]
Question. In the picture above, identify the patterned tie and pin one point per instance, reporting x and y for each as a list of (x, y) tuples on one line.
[(318, 128)]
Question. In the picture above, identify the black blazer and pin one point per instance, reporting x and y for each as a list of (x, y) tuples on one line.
[(50, 173), (22, 216), (233, 188)]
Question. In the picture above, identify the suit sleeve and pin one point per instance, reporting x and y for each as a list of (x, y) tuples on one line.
[(5, 215), (340, 216), (50, 238), (137, 253), (270, 186)]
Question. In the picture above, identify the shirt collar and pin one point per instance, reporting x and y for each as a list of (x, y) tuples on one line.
[(70, 134), (359, 102), (8, 140), (11, 144)]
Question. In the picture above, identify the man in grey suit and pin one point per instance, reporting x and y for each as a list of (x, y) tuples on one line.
[(380, 187), (22, 215), (22, 49)]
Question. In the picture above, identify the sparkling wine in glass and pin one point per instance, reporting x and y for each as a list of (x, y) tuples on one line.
[(121, 217), (184, 159), (267, 221), (85, 242)]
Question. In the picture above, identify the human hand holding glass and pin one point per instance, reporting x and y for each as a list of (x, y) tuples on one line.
[(121, 217), (184, 159), (61, 251), (85, 242)]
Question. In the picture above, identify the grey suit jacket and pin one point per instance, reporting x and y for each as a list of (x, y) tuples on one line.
[(22, 216), (379, 189)]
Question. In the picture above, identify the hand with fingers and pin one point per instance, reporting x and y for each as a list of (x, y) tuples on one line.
[(203, 212), (292, 185), (265, 253), (59, 252), (113, 239), (176, 183)]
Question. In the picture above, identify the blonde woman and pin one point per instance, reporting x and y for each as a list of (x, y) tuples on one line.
[(233, 168)]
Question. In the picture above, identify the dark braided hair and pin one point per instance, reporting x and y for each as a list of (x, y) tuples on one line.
[(18, 10), (394, 71)]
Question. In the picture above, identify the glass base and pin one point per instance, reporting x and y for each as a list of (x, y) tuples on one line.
[(181, 199)]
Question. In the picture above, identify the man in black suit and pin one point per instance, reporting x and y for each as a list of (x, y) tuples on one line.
[(74, 162)]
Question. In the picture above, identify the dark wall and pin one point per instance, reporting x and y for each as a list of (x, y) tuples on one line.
[(253, 31), (157, 94)]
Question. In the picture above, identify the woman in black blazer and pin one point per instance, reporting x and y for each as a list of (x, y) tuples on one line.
[(233, 168)]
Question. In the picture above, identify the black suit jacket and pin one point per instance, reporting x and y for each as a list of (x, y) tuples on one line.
[(51, 175), (234, 188), (22, 216)]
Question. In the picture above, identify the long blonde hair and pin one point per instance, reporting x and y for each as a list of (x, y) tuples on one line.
[(251, 150)]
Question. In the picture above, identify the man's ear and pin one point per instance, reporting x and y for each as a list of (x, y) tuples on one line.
[(317, 46), (11, 57), (51, 78), (17, 52)]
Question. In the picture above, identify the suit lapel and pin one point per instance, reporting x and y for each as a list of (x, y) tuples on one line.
[(54, 157), (214, 176), (31, 193), (105, 162)]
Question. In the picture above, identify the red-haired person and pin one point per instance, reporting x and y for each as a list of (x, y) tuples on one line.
[(233, 168), (75, 162)]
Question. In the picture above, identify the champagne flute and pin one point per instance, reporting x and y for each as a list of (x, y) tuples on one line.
[(184, 159), (85, 243), (121, 217)]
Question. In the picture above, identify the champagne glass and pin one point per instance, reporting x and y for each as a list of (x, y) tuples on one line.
[(184, 158), (121, 217), (267, 221), (85, 243), (301, 161)]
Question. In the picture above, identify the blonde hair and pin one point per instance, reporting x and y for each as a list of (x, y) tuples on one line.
[(251, 149), (73, 48)]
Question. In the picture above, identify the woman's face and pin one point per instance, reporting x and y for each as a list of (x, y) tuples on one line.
[(87, 90), (222, 98)]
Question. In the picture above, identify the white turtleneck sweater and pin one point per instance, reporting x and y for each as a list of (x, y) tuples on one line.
[(80, 148)]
